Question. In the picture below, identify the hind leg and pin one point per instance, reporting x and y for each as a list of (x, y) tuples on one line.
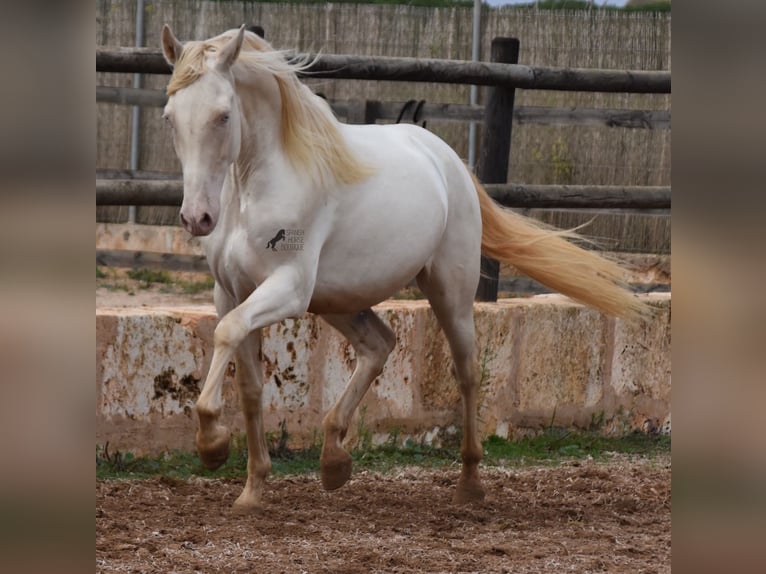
[(451, 298), (373, 341)]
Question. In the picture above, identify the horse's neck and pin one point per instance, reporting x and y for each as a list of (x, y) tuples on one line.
[(261, 133), (262, 168), (263, 172)]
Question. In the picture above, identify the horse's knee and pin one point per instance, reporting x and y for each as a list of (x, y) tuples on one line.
[(229, 332)]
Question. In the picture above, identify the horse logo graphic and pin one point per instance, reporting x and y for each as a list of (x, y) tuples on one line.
[(272, 244)]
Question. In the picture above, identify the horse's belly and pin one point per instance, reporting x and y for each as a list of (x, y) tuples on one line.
[(349, 280), (338, 302)]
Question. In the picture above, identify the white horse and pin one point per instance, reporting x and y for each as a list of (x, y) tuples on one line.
[(304, 213)]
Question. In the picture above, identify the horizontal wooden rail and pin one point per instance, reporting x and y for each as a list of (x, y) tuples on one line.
[(151, 260), (339, 66), (131, 96), (170, 192), (361, 111), (580, 196), (139, 192), (135, 174)]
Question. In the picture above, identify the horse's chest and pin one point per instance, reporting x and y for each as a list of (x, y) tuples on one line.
[(235, 263)]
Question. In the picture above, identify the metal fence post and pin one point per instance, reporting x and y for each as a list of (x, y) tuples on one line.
[(495, 149)]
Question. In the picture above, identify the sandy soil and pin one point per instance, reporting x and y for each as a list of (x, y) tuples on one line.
[(118, 290), (573, 517)]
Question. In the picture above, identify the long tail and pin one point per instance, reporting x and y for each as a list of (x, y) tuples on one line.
[(547, 256)]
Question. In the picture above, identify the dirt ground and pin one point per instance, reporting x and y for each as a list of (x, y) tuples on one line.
[(580, 516), (574, 517), (116, 289)]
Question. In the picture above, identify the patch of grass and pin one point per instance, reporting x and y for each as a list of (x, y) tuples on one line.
[(363, 433), (149, 276), (167, 281), (194, 287), (119, 287), (555, 444), (183, 465), (551, 446), (388, 456)]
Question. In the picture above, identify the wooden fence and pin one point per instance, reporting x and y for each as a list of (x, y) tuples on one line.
[(541, 153), (502, 73), (416, 111)]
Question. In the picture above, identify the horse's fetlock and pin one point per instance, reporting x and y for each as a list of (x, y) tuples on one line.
[(471, 454), (207, 414)]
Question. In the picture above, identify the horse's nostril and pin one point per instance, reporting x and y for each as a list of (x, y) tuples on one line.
[(207, 220)]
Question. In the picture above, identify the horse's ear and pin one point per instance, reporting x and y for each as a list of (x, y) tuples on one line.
[(230, 51), (171, 47)]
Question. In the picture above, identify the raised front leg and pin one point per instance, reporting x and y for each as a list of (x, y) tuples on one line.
[(212, 439), (373, 341), (277, 298)]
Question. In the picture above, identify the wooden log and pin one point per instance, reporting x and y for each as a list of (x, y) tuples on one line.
[(580, 196), (129, 189), (151, 260), (131, 60), (136, 174), (131, 96), (489, 74), (492, 166), (637, 119), (358, 111), (139, 192), (340, 66)]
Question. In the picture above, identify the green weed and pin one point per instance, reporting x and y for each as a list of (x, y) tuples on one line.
[(549, 447), (148, 276), (194, 287), (363, 432), (555, 444)]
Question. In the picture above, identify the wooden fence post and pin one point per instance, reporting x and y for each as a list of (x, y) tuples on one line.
[(492, 166)]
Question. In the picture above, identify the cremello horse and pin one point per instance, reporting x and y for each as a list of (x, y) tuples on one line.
[(304, 213)]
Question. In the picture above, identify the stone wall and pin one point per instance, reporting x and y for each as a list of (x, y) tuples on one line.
[(544, 361)]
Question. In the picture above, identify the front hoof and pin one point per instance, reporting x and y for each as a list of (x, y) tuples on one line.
[(214, 452), (335, 469), (468, 491), (247, 503)]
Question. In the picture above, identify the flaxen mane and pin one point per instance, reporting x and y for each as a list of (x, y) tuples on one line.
[(310, 135)]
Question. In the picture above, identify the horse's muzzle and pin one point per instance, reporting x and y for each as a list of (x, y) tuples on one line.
[(198, 226)]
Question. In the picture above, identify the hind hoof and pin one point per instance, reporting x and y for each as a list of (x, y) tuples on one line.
[(468, 492)]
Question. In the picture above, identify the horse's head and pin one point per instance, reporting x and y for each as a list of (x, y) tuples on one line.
[(203, 112)]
